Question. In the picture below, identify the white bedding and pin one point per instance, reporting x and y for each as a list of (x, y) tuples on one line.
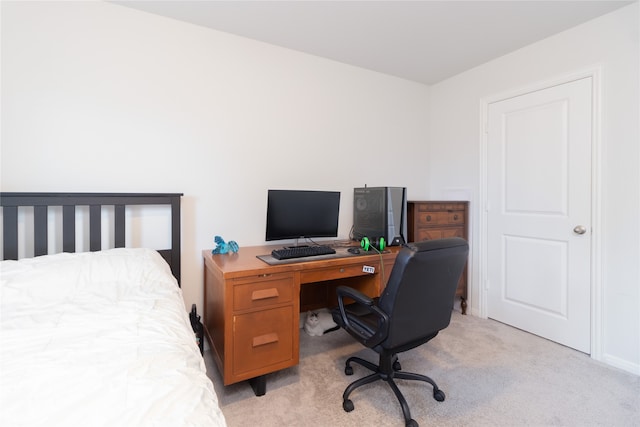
[(99, 339)]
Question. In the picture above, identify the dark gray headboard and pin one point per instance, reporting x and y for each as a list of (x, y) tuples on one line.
[(40, 202)]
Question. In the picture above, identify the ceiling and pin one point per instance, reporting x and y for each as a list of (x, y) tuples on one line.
[(423, 41)]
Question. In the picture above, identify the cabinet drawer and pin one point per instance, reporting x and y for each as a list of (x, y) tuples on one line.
[(263, 292), (333, 273), (439, 233), (440, 218), (262, 338), (440, 206)]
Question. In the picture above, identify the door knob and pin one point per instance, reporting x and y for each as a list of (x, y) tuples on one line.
[(580, 229)]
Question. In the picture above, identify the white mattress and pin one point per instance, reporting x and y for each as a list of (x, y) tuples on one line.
[(99, 339)]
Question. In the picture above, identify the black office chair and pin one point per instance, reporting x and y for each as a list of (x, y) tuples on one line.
[(416, 304)]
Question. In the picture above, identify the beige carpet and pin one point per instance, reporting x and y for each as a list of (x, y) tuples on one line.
[(492, 374)]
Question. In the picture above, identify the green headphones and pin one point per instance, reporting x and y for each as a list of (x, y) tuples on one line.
[(378, 244)]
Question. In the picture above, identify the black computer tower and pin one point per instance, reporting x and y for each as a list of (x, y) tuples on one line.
[(380, 212)]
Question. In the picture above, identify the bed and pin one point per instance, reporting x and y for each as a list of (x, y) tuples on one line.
[(101, 337)]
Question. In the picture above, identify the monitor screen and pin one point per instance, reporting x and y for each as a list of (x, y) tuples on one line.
[(293, 214)]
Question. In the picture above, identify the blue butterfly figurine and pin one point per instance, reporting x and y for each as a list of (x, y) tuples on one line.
[(223, 248)]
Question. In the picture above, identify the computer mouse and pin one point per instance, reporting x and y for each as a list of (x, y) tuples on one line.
[(353, 250)]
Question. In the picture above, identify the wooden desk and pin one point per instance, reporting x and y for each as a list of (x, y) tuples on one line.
[(252, 309)]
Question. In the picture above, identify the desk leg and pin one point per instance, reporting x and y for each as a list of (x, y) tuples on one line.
[(259, 385), (463, 305)]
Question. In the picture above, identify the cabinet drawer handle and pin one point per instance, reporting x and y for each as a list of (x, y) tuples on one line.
[(455, 217), (428, 217), (264, 294), (265, 339)]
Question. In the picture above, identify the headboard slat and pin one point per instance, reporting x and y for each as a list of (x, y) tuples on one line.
[(40, 230), (68, 228), (95, 228), (175, 236), (120, 226), (10, 232)]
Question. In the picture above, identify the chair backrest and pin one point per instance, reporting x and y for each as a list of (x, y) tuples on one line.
[(420, 293)]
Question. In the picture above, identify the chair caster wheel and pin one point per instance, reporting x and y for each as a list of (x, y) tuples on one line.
[(438, 395), (348, 370), (397, 366), (347, 405), (412, 423)]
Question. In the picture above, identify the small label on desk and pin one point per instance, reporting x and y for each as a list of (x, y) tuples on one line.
[(368, 269)]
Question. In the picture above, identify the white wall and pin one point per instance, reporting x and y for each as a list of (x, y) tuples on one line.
[(100, 97), (610, 42)]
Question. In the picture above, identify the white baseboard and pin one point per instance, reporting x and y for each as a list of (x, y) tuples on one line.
[(625, 365)]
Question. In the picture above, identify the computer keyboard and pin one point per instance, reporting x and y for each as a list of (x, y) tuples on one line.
[(301, 251)]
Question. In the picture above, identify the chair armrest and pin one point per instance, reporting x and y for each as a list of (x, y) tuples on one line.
[(354, 294), (369, 304)]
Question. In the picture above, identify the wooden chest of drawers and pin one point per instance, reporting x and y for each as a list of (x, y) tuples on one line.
[(429, 220)]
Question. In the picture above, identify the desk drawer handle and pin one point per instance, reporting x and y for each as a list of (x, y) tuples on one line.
[(342, 270), (264, 294), (265, 339)]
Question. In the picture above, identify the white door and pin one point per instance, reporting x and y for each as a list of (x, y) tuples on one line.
[(539, 212)]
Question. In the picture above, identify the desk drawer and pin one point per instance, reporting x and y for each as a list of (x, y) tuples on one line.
[(332, 273), (262, 339), (263, 291)]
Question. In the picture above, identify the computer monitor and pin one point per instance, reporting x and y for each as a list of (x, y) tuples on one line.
[(296, 214)]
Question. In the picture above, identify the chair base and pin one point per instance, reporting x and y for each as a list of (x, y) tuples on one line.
[(387, 369)]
